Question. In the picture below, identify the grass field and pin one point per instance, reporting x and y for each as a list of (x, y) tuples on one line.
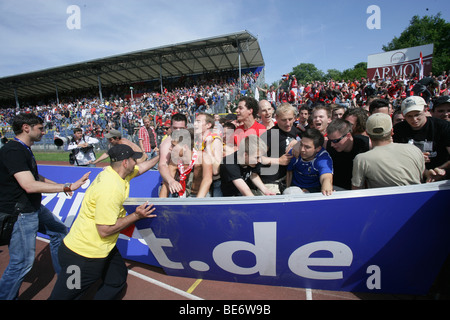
[(51, 156), (55, 156)]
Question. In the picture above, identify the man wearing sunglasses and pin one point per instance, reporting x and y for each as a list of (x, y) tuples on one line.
[(343, 148)]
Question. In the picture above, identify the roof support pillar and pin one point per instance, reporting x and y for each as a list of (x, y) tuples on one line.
[(240, 72), (57, 95), (17, 99), (160, 74), (100, 89), (240, 68)]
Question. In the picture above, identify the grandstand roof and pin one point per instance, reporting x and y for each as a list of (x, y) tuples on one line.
[(212, 54)]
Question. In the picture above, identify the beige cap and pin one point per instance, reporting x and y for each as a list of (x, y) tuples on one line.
[(113, 133), (379, 124), (414, 103)]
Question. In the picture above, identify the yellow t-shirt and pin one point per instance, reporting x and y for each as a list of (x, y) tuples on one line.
[(102, 204)]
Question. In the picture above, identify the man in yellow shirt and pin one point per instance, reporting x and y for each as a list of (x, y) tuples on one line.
[(89, 251)]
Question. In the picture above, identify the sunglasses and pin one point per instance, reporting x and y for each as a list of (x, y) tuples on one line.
[(339, 140)]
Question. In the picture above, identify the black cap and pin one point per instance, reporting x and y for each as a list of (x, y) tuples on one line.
[(121, 152), (441, 100)]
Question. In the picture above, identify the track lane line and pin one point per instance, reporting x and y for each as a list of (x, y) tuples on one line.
[(156, 282), (194, 285), (164, 285)]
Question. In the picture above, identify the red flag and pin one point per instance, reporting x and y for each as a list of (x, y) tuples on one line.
[(421, 65)]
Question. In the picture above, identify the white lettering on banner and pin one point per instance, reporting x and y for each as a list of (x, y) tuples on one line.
[(156, 247), (47, 197), (300, 260), (76, 204), (397, 71), (62, 197), (264, 250)]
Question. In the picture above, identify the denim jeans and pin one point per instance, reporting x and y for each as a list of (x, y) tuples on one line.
[(215, 189), (22, 248), (151, 155)]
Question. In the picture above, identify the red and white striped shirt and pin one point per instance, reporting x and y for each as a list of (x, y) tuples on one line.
[(144, 136)]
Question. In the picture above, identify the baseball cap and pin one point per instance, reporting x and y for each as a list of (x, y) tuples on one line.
[(121, 152), (113, 133), (414, 103), (379, 124), (441, 100)]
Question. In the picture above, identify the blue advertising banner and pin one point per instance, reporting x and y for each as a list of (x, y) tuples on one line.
[(389, 240)]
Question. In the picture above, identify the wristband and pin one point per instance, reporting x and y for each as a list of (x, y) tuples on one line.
[(67, 188)]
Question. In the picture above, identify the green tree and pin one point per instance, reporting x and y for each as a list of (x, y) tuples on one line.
[(333, 74), (357, 72), (307, 72), (426, 30)]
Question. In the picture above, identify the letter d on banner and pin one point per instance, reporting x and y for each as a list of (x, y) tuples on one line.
[(264, 250)]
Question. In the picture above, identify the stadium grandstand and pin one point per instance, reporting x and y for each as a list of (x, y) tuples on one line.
[(235, 51), (116, 92)]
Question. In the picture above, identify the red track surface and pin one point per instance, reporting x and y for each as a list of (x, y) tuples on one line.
[(151, 283)]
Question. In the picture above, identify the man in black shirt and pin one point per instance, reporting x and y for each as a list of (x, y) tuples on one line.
[(21, 187), (430, 134), (343, 148), (425, 88), (279, 139), (239, 171)]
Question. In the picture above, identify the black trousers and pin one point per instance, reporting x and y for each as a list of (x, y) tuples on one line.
[(79, 273)]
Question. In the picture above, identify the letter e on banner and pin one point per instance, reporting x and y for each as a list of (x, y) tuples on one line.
[(300, 260)]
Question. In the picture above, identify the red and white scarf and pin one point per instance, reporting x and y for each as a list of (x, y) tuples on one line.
[(184, 172)]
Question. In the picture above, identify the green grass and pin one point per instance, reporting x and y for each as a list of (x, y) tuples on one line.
[(57, 156), (51, 156)]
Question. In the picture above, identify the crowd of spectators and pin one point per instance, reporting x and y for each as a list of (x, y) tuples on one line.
[(124, 107), (316, 105)]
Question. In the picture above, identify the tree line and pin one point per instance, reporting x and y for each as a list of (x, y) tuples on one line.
[(421, 31)]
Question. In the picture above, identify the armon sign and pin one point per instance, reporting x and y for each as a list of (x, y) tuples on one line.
[(400, 63)]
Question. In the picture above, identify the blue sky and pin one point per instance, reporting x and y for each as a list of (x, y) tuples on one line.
[(329, 34)]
